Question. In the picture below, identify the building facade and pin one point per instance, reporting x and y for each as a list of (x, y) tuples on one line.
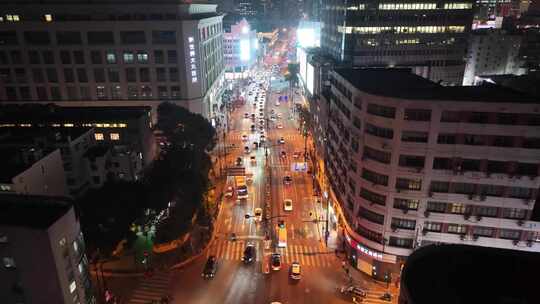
[(32, 171), (406, 168), (43, 252), (429, 36), (112, 54), (492, 52), (240, 50)]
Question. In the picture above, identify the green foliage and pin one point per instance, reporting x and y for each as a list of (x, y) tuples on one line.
[(292, 75)]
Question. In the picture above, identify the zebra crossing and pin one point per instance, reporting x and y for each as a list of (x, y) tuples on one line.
[(374, 297), (310, 256), (238, 137), (152, 288)]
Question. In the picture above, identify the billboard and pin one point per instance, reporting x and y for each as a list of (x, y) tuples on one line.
[(309, 78), (245, 51), (302, 60)]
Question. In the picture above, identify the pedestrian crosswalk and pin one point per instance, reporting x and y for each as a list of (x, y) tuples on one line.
[(152, 288), (238, 137), (310, 256), (374, 297)]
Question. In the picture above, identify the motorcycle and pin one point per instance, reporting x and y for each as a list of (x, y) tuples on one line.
[(233, 237), (386, 297)]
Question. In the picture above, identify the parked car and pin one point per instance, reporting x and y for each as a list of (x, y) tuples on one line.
[(287, 204), (249, 254), (295, 271), (276, 261)]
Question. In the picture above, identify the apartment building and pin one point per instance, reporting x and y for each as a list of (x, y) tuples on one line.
[(492, 52), (77, 148), (43, 252), (410, 162), (428, 36), (121, 52)]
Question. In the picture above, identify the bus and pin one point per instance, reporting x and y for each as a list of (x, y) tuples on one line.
[(241, 188), (282, 237)]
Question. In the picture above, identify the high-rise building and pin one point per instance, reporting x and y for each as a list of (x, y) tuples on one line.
[(240, 48), (120, 53), (43, 252), (429, 36), (410, 162), (492, 52)]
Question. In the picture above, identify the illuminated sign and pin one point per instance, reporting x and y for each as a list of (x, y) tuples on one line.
[(192, 59), (310, 80), (363, 249), (245, 54)]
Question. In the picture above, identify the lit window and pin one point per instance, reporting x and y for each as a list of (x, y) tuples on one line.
[(75, 246), (193, 79), (9, 262), (111, 57), (80, 267), (62, 242), (128, 57), (48, 18), (193, 73), (72, 286), (5, 188), (99, 136), (115, 136), (190, 39), (122, 125), (192, 53), (142, 57), (69, 125)]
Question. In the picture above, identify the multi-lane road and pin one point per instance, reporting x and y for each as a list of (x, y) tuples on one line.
[(235, 282)]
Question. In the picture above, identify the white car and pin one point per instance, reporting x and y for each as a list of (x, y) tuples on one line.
[(244, 137), (277, 103), (287, 205), (279, 126), (258, 214)]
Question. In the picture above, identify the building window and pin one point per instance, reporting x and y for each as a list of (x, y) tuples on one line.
[(371, 216), (95, 57), (520, 192), (159, 57), (161, 75), (383, 111), (132, 91), (128, 57), (408, 184), (72, 286), (514, 213), (377, 155), (144, 74), (509, 234), (439, 207), (34, 58), (146, 91), (400, 242), (99, 75), (100, 38), (16, 57), (101, 92), (142, 57), (411, 161), (486, 211), (132, 37), (25, 94), (99, 136), (375, 177), (175, 91), (116, 92), (163, 37), (163, 92), (372, 197), (81, 75), (65, 57), (417, 114), (406, 204), (172, 56), (111, 57), (414, 136), (68, 38), (457, 208), (403, 223), (380, 132), (448, 139), (441, 163), (114, 74), (173, 74), (55, 93), (457, 229), (115, 136), (85, 93), (483, 231), (131, 75), (37, 37), (48, 57), (9, 263), (432, 226), (78, 57)]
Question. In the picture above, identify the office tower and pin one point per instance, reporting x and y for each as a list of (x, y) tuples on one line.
[(115, 53), (428, 36)]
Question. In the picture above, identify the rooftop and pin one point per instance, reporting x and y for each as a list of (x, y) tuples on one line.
[(401, 83), (28, 136), (36, 113), (461, 274), (97, 151), (16, 160), (37, 212)]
